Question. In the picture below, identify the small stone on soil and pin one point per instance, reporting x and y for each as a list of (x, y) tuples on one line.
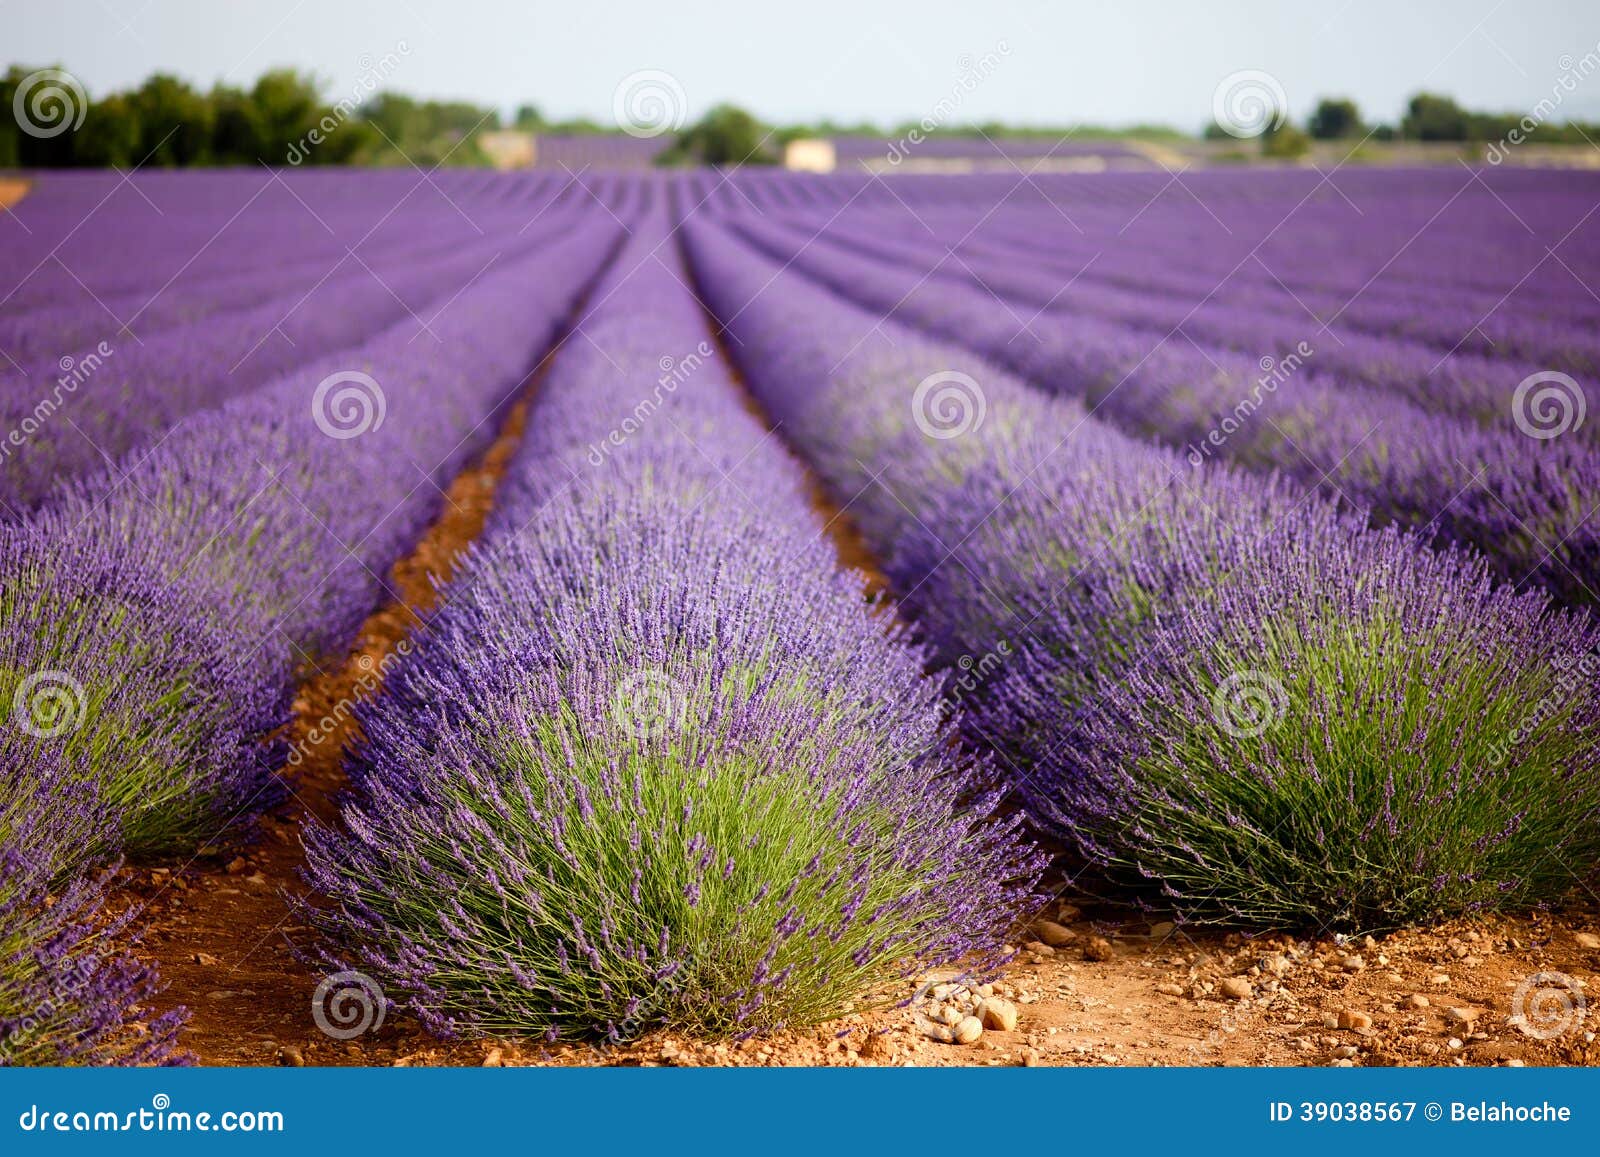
[(968, 1031)]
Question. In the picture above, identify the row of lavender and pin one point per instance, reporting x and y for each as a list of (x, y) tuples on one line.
[(153, 626), (86, 381), (1213, 686), (1476, 259), (1530, 504), (694, 780)]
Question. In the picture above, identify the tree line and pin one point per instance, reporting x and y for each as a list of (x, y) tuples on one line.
[(289, 117), (1428, 116)]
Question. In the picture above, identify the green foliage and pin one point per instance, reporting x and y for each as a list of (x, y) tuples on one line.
[(1431, 117), (1285, 143), (174, 123), (1336, 119), (408, 131), (727, 135)]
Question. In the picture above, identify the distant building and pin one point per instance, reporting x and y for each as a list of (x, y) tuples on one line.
[(810, 155), (508, 149)]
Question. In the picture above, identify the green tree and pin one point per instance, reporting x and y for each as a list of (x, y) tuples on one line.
[(726, 135), (174, 122), (288, 105), (238, 136), (1336, 119), (110, 134), (1285, 143), (1431, 117)]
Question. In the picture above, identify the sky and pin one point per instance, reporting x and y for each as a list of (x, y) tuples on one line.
[(1023, 61)]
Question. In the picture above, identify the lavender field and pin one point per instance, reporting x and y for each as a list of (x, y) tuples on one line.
[(560, 609)]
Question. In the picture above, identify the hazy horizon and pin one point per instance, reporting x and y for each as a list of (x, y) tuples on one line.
[(1047, 64)]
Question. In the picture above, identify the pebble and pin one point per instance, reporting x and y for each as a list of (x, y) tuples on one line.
[(1417, 1000), (1098, 948), (1454, 1043), (494, 1059), (1237, 988), (1330, 1020), (1587, 940), (968, 1031), (1053, 934), (998, 1014), (1170, 989), (1440, 980), (1346, 1051), (1351, 1019), (1039, 948), (1514, 1063), (1344, 1063), (1353, 963), (205, 959), (1461, 1015), (940, 1033)]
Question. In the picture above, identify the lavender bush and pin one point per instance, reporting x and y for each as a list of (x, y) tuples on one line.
[(1128, 589), (654, 762)]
